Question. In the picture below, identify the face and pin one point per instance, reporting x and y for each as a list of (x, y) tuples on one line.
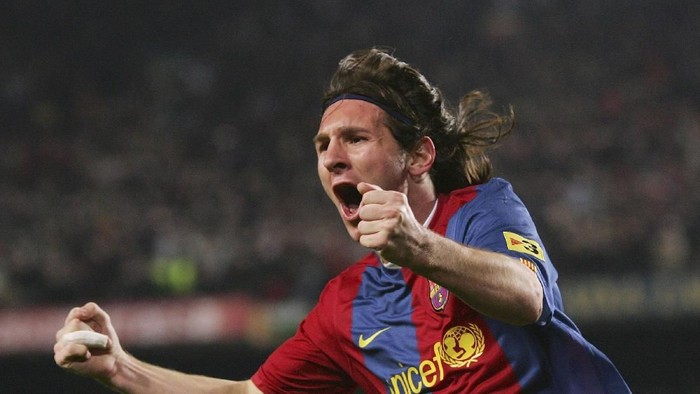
[(354, 145)]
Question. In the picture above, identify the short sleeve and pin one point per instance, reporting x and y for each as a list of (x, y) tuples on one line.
[(498, 221)]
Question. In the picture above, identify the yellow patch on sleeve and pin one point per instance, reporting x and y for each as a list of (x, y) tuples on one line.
[(521, 244)]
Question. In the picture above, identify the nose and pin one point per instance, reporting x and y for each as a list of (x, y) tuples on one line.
[(334, 158)]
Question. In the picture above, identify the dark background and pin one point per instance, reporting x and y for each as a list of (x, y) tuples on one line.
[(147, 137)]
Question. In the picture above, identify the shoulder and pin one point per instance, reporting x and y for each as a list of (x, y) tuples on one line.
[(493, 209), (343, 287), (497, 190), (494, 191), (491, 200), (497, 200)]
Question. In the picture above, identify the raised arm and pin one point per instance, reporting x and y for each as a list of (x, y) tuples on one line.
[(121, 371), (494, 284)]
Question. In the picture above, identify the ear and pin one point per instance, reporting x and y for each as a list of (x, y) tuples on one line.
[(422, 158)]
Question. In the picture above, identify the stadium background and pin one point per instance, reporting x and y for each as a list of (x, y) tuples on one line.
[(156, 157)]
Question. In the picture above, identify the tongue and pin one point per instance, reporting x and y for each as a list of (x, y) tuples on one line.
[(350, 209)]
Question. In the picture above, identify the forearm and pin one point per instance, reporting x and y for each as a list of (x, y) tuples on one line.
[(494, 284), (135, 376)]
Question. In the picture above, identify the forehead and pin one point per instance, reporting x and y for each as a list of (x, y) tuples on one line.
[(346, 114)]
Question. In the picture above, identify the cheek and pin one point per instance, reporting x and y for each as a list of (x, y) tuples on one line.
[(392, 171), (324, 176), (320, 168)]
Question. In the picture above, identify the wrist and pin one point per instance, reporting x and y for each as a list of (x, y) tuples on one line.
[(416, 256), (121, 371)]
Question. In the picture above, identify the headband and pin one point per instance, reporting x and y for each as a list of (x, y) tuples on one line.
[(352, 96)]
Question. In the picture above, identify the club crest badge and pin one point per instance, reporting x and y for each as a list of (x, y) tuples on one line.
[(438, 296)]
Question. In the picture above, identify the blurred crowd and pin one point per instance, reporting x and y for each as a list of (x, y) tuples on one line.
[(153, 151)]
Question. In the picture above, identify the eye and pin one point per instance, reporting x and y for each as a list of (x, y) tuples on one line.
[(321, 145), (355, 139)]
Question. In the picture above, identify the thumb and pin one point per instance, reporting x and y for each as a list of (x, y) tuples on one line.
[(364, 187)]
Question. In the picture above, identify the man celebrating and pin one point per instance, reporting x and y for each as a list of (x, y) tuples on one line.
[(458, 294)]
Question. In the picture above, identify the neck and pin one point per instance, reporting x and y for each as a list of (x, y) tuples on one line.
[(421, 198)]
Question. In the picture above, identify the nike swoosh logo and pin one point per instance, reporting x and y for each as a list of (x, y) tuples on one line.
[(362, 342)]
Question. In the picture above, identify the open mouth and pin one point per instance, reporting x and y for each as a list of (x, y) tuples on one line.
[(349, 199)]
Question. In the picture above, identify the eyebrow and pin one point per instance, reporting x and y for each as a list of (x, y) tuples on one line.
[(319, 138), (344, 130)]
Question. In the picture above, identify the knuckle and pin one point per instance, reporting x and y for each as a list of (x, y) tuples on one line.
[(59, 334)]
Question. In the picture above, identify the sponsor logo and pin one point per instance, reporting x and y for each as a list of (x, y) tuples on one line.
[(521, 244), (363, 343), (461, 346), (438, 296)]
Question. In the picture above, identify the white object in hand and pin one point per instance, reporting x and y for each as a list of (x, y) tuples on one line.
[(90, 339)]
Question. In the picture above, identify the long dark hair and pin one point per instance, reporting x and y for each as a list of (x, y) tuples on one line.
[(461, 140)]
